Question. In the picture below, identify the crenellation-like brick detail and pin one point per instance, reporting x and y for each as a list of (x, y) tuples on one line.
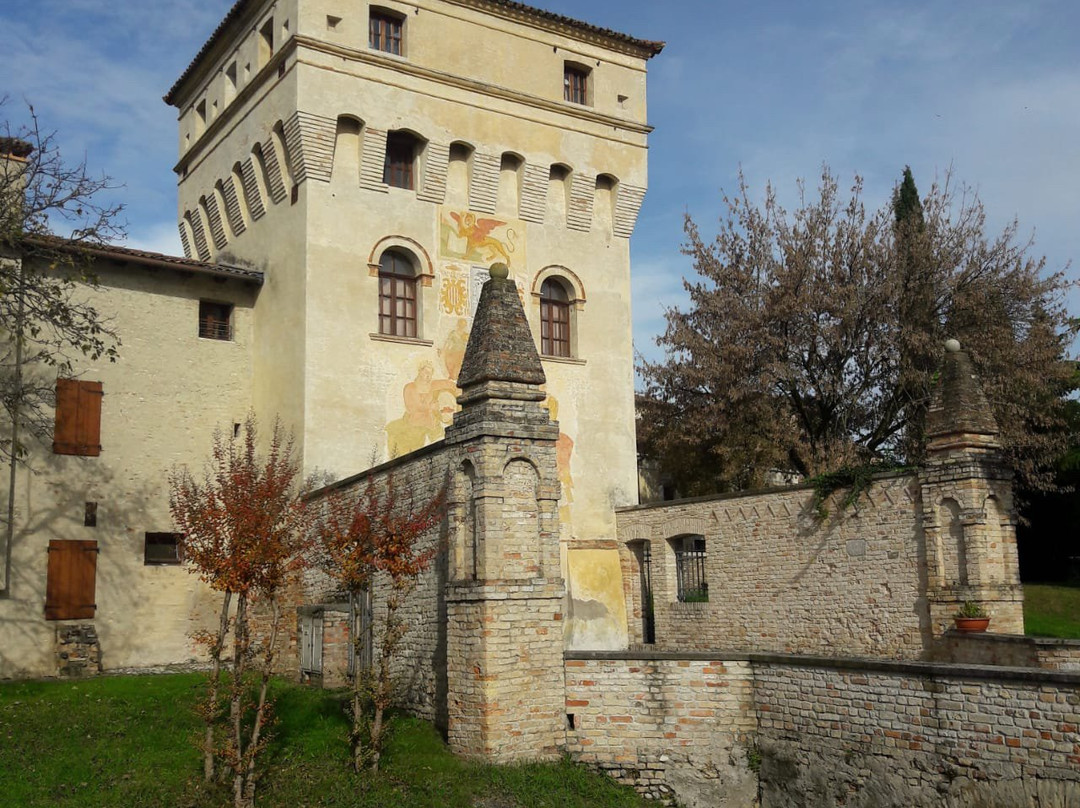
[(198, 232), (232, 205), (251, 189), (579, 211), (534, 191), (310, 140), (217, 228), (275, 178), (185, 242), (433, 183), (627, 206), (484, 182), (371, 163)]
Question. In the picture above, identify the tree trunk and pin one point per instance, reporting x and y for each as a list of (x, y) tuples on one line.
[(256, 729), (215, 688), (236, 705)]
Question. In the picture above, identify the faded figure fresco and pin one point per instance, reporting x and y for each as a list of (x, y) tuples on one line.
[(452, 351), (564, 449), (429, 407)]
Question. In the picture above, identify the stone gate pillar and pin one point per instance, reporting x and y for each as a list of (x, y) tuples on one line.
[(504, 597), (968, 513)]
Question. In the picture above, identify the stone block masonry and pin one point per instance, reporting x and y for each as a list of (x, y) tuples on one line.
[(882, 734), (666, 724), (825, 731)]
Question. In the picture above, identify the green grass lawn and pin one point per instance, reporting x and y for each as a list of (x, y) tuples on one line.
[(1052, 611), (130, 742)]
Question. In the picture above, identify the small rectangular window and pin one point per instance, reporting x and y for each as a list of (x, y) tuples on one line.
[(215, 320), (400, 158), (162, 549), (384, 32), (90, 515), (78, 418), (576, 84)]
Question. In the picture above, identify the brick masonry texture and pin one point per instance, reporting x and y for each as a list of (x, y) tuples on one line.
[(825, 731)]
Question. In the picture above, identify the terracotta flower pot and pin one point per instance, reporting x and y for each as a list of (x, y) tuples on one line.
[(971, 624)]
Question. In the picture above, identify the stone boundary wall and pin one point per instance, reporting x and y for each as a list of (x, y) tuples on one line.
[(1012, 650), (419, 669), (665, 723), (867, 733), (781, 579), (823, 731)]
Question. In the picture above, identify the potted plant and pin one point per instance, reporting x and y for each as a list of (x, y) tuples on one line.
[(971, 617)]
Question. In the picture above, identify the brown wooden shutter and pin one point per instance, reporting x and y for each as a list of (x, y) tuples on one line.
[(78, 418), (90, 395), (71, 585), (65, 434)]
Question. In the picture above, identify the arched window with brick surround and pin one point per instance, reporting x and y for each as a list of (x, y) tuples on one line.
[(397, 294), (554, 318)]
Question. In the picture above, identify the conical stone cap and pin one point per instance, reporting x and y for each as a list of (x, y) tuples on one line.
[(501, 347), (958, 405)]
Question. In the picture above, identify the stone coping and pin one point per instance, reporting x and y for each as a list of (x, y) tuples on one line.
[(1016, 639), (940, 670), (754, 492)]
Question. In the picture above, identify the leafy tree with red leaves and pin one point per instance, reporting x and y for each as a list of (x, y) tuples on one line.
[(370, 538), (244, 533)]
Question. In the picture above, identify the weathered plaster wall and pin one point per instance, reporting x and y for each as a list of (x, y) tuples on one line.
[(163, 399)]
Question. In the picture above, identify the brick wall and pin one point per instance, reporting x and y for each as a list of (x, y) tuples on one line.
[(1011, 650), (902, 734), (825, 731), (781, 579), (665, 724)]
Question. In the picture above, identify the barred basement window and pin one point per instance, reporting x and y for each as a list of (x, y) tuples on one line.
[(691, 585), (215, 320), (162, 549), (384, 31)]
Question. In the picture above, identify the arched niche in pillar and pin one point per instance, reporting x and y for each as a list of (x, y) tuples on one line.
[(998, 544), (952, 557), (463, 550), (518, 554)]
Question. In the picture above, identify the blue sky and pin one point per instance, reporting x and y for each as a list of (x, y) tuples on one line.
[(988, 87)]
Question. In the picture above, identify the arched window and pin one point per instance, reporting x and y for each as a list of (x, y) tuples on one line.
[(397, 294), (554, 319)]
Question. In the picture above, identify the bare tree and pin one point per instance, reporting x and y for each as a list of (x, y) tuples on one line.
[(49, 212), (806, 342)]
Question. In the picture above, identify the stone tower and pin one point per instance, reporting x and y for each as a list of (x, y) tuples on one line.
[(504, 597), (374, 160), (967, 504)]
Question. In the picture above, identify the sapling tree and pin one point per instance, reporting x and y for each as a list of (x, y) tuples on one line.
[(371, 537), (244, 533)]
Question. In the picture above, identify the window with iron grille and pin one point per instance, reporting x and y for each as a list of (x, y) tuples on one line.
[(691, 586), (384, 31), (554, 319), (401, 149), (162, 549), (215, 320), (397, 295), (575, 83)]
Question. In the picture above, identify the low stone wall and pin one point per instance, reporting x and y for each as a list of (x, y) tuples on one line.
[(868, 733), (1013, 650), (666, 724), (817, 731)]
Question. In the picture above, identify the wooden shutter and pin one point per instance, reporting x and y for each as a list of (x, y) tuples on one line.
[(71, 584), (78, 418)]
